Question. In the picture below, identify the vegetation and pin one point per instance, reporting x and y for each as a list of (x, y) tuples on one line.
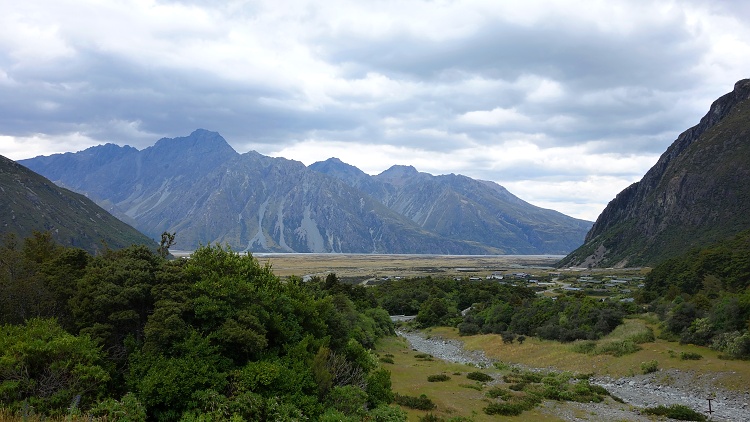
[(703, 297), (649, 366), (438, 378), (422, 402), (214, 337), (513, 312), (479, 376), (676, 411)]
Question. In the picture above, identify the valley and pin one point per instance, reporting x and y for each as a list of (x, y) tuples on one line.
[(366, 267)]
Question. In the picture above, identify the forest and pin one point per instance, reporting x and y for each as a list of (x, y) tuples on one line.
[(492, 307), (703, 298), (130, 335)]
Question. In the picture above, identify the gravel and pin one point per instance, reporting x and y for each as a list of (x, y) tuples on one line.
[(665, 387)]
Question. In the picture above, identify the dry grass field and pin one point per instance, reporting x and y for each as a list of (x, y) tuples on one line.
[(377, 266)]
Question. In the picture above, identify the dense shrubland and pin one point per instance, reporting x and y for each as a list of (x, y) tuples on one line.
[(703, 297), (214, 337), (493, 307)]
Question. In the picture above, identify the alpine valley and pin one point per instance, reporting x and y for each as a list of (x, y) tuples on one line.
[(201, 189)]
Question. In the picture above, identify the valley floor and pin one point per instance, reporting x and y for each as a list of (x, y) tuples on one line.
[(673, 384)]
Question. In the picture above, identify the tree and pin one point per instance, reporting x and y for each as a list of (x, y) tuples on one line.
[(167, 241), (46, 367)]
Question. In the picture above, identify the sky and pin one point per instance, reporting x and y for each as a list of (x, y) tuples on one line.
[(565, 103)]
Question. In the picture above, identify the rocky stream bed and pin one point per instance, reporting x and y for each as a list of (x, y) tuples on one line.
[(638, 391)]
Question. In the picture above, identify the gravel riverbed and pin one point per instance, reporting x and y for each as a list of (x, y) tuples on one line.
[(664, 387)]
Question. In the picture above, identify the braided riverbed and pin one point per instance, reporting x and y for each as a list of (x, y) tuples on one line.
[(639, 391)]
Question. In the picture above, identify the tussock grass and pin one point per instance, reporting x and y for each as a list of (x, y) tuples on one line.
[(537, 353)]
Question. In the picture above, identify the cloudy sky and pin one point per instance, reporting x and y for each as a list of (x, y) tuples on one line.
[(564, 103)]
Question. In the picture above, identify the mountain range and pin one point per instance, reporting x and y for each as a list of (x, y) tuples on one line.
[(696, 194), (31, 203), (201, 189)]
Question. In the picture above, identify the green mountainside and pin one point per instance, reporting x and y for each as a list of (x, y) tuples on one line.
[(32, 203), (697, 193)]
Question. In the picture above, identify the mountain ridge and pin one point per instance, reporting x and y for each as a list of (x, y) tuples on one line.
[(200, 188), (695, 194), (33, 203)]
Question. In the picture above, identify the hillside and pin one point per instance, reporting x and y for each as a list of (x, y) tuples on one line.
[(200, 188), (32, 203), (697, 193)]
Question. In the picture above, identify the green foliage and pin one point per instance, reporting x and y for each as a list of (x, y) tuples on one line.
[(129, 409), (438, 378), (385, 413), (379, 388), (703, 296), (499, 392), (533, 387), (649, 366), (479, 376), (690, 356), (420, 403), (676, 411), (46, 367), (215, 337)]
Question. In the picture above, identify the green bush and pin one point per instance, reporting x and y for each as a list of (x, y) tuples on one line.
[(423, 356), (498, 392), (690, 356), (476, 386), (514, 407), (676, 411), (387, 360), (649, 367), (479, 376), (584, 346), (420, 403), (617, 348), (500, 366), (438, 378)]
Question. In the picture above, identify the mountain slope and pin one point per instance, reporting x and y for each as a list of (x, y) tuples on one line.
[(32, 203), (697, 193), (459, 207), (200, 188)]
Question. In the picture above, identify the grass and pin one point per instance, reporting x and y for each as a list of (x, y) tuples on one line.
[(453, 398), (728, 374)]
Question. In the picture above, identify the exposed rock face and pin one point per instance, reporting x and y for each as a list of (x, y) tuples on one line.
[(458, 207), (32, 203), (200, 188), (697, 193)]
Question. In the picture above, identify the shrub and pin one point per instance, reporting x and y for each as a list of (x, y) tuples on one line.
[(514, 407), (423, 356), (498, 392), (468, 329), (479, 376), (617, 348), (430, 418), (676, 411), (690, 356), (584, 346), (645, 336), (438, 378), (500, 366), (386, 359), (649, 366), (420, 403)]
